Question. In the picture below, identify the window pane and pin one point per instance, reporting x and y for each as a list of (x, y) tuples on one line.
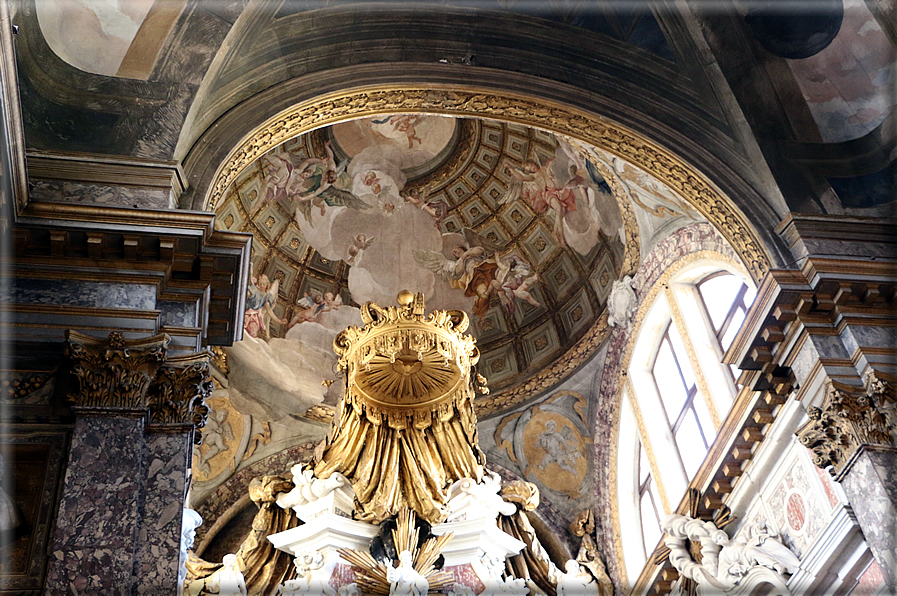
[(719, 293), (749, 296), (682, 358), (691, 447), (644, 468), (669, 381), (704, 418), (734, 326), (650, 524)]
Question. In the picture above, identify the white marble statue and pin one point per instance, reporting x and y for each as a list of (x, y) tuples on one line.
[(311, 580), (495, 584), (483, 496), (190, 520), (308, 488), (723, 561), (404, 580), (459, 590), (227, 581), (621, 303), (576, 581), (761, 546)]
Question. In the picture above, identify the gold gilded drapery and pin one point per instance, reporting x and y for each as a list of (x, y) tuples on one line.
[(533, 563), (263, 567), (391, 468), (406, 429)]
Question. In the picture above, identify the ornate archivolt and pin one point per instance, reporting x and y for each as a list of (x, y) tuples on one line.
[(476, 103)]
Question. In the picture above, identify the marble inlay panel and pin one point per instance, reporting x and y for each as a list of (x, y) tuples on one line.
[(178, 314), (871, 487), (97, 524), (122, 196), (63, 292), (163, 503)]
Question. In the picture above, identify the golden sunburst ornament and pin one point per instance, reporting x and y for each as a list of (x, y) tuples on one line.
[(403, 362), (373, 575)]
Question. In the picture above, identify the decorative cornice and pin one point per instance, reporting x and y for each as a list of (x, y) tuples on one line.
[(113, 374), (848, 419), (178, 393)]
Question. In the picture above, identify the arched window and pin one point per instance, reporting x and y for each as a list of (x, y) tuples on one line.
[(677, 392)]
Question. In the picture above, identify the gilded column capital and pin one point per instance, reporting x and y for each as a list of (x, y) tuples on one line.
[(849, 418), (177, 395), (113, 373)]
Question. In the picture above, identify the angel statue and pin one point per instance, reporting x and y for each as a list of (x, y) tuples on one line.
[(472, 266), (260, 301), (405, 580), (321, 183)]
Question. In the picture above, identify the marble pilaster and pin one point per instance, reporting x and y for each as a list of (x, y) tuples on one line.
[(870, 482), (97, 527), (157, 557)]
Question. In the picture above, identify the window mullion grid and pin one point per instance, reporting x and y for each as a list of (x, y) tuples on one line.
[(696, 370), (645, 443)]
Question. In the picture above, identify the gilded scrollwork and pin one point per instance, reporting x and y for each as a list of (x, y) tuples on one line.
[(847, 419)]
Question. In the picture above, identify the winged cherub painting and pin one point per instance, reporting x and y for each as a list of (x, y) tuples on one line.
[(472, 264), (260, 301)]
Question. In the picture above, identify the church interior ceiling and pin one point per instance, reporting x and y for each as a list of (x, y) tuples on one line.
[(517, 226)]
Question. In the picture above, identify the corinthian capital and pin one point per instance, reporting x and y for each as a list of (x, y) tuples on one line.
[(178, 393), (113, 373), (847, 419)]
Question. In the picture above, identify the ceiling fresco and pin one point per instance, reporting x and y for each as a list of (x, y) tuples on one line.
[(511, 224)]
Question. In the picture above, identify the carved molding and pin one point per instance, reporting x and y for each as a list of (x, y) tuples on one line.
[(178, 393), (115, 373), (848, 419)]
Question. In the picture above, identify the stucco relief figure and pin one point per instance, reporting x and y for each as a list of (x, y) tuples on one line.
[(311, 580), (260, 301), (760, 547), (559, 447), (215, 435), (723, 561), (228, 580), (404, 580), (459, 590), (190, 520), (621, 303)]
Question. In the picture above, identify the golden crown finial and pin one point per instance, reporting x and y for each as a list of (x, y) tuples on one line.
[(405, 298)]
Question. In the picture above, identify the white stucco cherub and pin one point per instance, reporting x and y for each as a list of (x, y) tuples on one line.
[(621, 303)]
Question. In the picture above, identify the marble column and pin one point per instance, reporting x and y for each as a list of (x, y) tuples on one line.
[(118, 529), (851, 434)]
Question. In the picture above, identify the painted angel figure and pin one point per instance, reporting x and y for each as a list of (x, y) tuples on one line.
[(516, 277), (321, 183), (260, 301), (310, 306), (360, 243), (537, 185), (418, 198), (472, 266)]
